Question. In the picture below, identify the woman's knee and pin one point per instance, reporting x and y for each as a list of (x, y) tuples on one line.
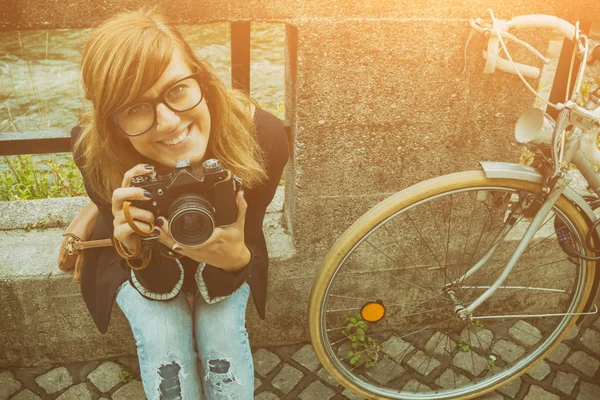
[(172, 378), (231, 376)]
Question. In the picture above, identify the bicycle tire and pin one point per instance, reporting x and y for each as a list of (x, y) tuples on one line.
[(502, 336)]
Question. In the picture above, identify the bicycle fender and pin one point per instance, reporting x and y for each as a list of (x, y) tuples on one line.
[(494, 169)]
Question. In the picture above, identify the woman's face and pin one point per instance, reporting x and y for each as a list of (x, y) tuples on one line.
[(175, 135)]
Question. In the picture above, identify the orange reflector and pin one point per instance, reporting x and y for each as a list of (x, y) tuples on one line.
[(373, 312)]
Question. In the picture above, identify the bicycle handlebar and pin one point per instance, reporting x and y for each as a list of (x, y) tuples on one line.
[(495, 61), (544, 21)]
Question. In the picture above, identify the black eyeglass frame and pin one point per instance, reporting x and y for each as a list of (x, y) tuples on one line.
[(158, 100)]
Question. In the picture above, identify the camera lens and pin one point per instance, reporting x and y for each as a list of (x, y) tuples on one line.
[(192, 220)]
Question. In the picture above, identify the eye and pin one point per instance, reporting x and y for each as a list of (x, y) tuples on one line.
[(138, 109), (178, 89)]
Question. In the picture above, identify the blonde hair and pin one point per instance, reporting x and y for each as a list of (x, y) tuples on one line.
[(121, 60)]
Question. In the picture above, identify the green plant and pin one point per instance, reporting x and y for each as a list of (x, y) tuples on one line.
[(125, 376), (462, 346), (50, 221), (491, 363), (26, 179), (363, 346), (476, 324)]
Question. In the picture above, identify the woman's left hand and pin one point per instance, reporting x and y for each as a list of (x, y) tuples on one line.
[(224, 249)]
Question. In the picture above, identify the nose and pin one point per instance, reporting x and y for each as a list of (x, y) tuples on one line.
[(166, 120)]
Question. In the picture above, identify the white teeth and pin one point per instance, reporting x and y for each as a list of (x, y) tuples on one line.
[(178, 139)]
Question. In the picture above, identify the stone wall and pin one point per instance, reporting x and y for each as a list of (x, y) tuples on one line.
[(376, 102)]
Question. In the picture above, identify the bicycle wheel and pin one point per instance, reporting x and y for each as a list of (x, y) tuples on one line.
[(404, 264)]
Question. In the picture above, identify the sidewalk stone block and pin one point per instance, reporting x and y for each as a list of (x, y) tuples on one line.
[(414, 385), (450, 379), (539, 371), (257, 383), (509, 351), (384, 371), (316, 390), (26, 395), (565, 382), (511, 388), (584, 363), (266, 396), (307, 358), (537, 393), (492, 396), (470, 362), (55, 380), (8, 384), (572, 334), (560, 352), (597, 323), (587, 391), (525, 333), (591, 340), (287, 378), (79, 372), (264, 362), (440, 344), (423, 363), (324, 375), (351, 395), (78, 392), (131, 391), (396, 348), (106, 376), (477, 338)]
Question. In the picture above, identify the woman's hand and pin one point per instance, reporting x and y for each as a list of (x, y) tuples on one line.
[(224, 249), (143, 219)]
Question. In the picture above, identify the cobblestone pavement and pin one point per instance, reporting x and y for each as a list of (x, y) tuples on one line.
[(572, 371)]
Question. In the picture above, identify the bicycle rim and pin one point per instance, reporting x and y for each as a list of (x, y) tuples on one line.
[(402, 257)]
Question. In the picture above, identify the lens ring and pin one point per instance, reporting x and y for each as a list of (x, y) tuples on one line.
[(191, 220)]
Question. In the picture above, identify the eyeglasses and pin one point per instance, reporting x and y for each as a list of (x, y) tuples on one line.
[(138, 118)]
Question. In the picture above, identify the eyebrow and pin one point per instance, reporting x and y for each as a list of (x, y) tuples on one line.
[(176, 79)]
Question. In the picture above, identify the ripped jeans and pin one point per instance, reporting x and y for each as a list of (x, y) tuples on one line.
[(165, 333)]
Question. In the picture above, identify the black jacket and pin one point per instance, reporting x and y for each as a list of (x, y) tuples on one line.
[(103, 271)]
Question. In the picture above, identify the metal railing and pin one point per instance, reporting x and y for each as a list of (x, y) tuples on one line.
[(58, 141)]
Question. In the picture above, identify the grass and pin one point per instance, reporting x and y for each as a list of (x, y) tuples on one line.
[(26, 179)]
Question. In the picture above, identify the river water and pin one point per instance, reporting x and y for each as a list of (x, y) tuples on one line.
[(40, 80)]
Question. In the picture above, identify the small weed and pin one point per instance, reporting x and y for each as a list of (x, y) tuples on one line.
[(476, 324), (50, 221), (463, 347), (491, 363), (363, 346), (125, 376)]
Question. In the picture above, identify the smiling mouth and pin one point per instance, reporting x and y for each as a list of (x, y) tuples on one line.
[(178, 139)]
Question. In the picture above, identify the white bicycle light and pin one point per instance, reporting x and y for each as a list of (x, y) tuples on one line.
[(534, 127)]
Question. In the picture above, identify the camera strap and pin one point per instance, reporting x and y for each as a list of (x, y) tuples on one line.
[(132, 224)]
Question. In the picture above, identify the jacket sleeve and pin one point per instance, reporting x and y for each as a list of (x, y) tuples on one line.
[(274, 145), (161, 280)]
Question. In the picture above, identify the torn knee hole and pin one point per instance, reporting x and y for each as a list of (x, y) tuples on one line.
[(220, 373), (170, 386), (218, 366)]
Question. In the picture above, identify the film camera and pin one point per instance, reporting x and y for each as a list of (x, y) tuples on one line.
[(194, 200)]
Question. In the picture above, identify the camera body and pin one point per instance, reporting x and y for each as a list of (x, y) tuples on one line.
[(194, 199)]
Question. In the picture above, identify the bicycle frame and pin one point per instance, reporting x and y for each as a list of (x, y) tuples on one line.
[(553, 192)]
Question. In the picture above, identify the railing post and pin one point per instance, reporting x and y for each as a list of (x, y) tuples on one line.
[(240, 55)]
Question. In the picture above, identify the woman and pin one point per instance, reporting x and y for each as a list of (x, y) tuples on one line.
[(155, 103)]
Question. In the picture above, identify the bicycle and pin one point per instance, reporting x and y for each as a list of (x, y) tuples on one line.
[(454, 286)]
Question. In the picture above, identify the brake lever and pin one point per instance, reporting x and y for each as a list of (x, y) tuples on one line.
[(472, 33)]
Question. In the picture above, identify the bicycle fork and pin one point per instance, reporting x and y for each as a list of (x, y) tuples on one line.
[(465, 313)]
